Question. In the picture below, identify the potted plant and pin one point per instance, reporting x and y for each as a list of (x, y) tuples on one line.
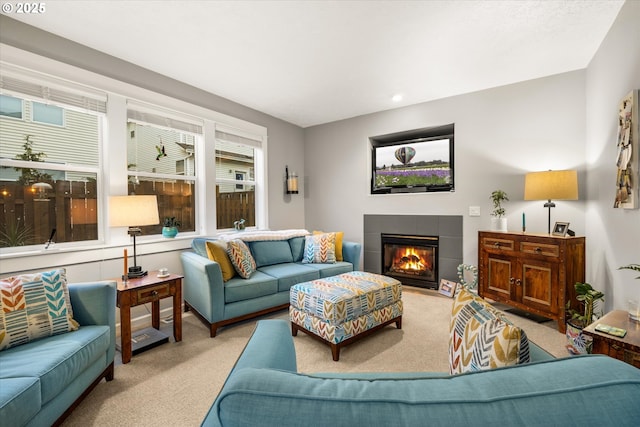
[(635, 267), (498, 222), (634, 304), (170, 226), (588, 301), (239, 225)]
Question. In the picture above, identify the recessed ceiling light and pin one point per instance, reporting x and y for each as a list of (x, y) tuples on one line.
[(397, 97)]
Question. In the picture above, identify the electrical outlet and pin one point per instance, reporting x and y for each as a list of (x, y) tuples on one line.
[(474, 210)]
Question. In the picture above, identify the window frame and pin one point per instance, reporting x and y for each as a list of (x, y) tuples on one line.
[(66, 167), (158, 118), (224, 134)]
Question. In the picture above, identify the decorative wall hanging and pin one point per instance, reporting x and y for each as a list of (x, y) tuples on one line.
[(627, 177)]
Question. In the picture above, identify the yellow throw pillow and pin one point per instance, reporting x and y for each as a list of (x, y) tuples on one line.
[(339, 236), (217, 251)]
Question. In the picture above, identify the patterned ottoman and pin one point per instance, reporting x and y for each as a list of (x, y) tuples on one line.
[(343, 308)]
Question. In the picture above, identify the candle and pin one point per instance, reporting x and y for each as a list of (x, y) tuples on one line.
[(524, 227), (125, 264)]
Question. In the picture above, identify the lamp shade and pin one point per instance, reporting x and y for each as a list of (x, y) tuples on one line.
[(551, 185), (133, 211)]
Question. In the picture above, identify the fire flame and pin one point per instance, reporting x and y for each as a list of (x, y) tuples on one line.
[(410, 259)]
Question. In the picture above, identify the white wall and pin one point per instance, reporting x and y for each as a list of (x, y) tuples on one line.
[(613, 234), (500, 134)]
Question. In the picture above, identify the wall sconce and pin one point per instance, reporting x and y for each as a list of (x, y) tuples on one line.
[(548, 185), (291, 181), (41, 188)]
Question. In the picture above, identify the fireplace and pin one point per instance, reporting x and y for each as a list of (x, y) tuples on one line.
[(411, 259)]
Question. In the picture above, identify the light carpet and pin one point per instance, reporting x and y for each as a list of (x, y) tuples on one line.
[(176, 383)]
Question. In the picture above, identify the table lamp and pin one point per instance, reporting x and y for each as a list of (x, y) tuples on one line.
[(551, 185), (133, 212)]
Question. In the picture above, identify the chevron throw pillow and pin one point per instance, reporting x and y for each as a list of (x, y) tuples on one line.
[(481, 337), (320, 248), (241, 258), (34, 306)]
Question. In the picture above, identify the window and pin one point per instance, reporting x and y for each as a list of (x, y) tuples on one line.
[(10, 107), (53, 151), (49, 176), (47, 114), (236, 159), (161, 156), (240, 176)]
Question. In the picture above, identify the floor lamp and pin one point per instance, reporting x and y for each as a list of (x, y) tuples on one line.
[(133, 212), (551, 185)]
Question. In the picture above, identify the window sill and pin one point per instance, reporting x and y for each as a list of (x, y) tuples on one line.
[(63, 255)]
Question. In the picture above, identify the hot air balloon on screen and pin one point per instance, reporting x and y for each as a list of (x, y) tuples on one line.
[(405, 154)]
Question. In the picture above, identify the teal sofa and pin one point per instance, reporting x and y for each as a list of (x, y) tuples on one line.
[(264, 389), (42, 381), (279, 266)]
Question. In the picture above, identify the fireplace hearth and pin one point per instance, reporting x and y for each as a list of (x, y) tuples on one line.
[(412, 259)]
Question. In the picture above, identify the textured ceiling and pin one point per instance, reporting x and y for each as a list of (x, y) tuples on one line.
[(312, 62)]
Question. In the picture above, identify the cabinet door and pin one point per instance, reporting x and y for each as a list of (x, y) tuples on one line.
[(499, 270), (539, 286)]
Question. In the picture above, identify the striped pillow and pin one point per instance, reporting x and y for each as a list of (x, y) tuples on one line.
[(320, 248), (241, 258), (480, 337), (34, 306)]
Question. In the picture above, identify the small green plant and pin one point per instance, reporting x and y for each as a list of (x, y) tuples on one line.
[(14, 234), (588, 299), (635, 267), (497, 197), (170, 221)]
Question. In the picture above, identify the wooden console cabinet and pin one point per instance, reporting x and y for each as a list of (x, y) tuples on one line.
[(532, 272)]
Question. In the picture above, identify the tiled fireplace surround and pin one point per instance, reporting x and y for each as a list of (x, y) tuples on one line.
[(447, 227)]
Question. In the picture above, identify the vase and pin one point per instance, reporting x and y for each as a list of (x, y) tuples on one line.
[(634, 310), (577, 342), (169, 232), (498, 224)]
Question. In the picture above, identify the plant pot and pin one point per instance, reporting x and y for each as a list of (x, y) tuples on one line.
[(169, 232), (498, 224), (577, 342)]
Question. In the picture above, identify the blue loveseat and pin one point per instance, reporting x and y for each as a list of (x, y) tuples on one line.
[(279, 266), (265, 389), (42, 381)]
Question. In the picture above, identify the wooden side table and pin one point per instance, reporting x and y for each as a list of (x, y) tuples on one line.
[(150, 288), (626, 349)]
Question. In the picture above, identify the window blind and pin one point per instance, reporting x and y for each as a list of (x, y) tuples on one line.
[(51, 90), (143, 114)]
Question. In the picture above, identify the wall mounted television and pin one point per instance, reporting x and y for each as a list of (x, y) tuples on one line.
[(414, 161)]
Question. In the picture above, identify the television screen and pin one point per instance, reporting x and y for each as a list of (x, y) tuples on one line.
[(416, 165)]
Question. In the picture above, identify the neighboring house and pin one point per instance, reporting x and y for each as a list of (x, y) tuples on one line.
[(64, 135)]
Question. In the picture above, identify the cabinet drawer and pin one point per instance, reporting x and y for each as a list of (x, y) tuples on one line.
[(624, 354), (153, 293), (540, 249), (496, 243)]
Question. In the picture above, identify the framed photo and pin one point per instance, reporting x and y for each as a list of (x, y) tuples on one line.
[(560, 229), (447, 287)]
